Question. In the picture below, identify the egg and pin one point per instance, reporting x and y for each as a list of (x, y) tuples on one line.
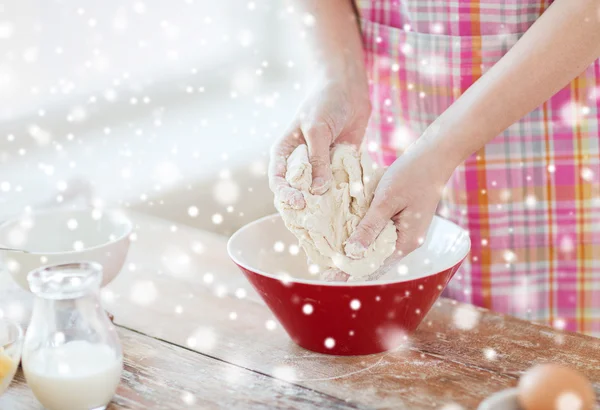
[(555, 387), (6, 365)]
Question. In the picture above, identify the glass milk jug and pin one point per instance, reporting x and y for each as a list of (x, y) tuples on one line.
[(72, 357)]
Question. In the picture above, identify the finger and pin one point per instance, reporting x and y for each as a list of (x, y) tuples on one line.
[(411, 228), (280, 152), (319, 137), (376, 218), (334, 275)]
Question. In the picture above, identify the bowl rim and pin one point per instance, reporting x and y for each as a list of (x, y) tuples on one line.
[(125, 220), (340, 284), (20, 334)]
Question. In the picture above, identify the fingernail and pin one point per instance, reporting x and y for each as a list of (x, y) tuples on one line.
[(355, 250), (297, 201), (320, 185)]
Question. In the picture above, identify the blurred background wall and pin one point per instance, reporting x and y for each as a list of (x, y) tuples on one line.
[(166, 107)]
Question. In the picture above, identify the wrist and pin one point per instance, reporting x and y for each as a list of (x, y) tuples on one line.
[(344, 69), (437, 158), (452, 147)]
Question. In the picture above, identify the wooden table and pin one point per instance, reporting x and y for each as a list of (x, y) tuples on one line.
[(195, 335)]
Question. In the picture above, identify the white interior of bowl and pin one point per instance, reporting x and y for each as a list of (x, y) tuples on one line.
[(62, 231), (266, 246)]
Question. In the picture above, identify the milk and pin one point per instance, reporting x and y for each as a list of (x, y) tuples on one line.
[(77, 375)]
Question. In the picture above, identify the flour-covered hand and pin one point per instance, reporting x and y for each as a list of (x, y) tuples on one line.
[(408, 194), (337, 110)]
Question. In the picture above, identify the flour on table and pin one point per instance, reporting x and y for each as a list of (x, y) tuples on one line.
[(328, 220)]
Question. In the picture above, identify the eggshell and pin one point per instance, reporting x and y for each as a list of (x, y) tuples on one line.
[(555, 387)]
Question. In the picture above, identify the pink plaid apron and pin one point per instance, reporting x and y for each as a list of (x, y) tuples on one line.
[(530, 198)]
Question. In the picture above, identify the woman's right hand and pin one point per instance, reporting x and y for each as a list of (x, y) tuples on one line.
[(336, 110)]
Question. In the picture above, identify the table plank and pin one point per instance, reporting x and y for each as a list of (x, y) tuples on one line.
[(442, 365), (161, 375)]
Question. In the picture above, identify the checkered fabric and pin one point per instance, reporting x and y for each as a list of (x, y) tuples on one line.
[(530, 198)]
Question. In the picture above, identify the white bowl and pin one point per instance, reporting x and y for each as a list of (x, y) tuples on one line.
[(502, 400), (61, 236)]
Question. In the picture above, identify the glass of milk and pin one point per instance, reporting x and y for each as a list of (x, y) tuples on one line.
[(72, 357)]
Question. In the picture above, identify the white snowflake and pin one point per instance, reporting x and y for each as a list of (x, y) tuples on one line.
[(59, 338), (286, 373), (40, 135), (587, 174), (279, 246), (394, 338), (270, 324), (435, 66), (569, 401), (188, 398), (77, 114), (221, 291), (572, 113), (402, 138), (197, 247), (6, 29), (437, 28), (330, 343), (466, 317), (531, 201), (313, 269), (559, 324), (193, 211), (566, 244), (203, 339), (307, 309), (490, 353), (309, 20), (509, 256), (144, 292), (402, 270)]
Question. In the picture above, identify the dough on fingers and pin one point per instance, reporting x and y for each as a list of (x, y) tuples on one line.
[(328, 220)]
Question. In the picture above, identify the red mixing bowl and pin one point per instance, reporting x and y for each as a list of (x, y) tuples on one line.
[(354, 318)]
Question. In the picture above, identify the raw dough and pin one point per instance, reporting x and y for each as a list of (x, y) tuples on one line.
[(327, 221)]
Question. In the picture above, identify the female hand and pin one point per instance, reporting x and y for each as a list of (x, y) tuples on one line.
[(408, 194), (336, 110)]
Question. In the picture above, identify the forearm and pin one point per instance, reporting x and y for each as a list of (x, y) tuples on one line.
[(556, 49), (334, 36)]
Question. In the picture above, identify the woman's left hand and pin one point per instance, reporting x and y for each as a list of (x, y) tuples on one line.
[(408, 194)]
